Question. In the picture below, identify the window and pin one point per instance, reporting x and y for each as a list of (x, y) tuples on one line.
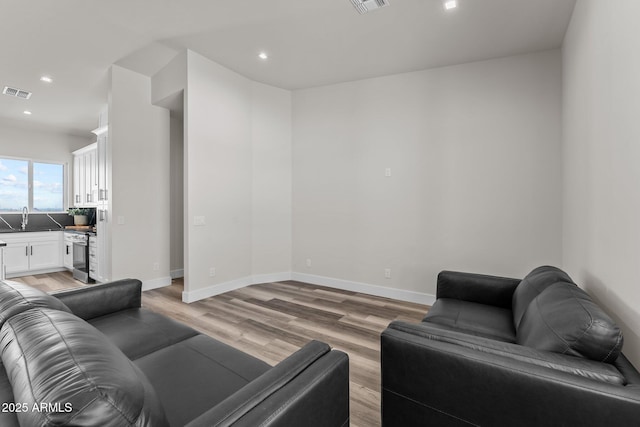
[(48, 187), (39, 186), (14, 184)]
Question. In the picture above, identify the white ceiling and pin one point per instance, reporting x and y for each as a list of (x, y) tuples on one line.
[(310, 43)]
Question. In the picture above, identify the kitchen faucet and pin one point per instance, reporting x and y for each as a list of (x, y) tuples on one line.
[(25, 217)]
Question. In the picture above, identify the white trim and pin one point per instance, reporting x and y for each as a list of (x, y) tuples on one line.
[(220, 288), (271, 277), (16, 274), (175, 274), (99, 131), (365, 288), (347, 285), (86, 149), (160, 282)]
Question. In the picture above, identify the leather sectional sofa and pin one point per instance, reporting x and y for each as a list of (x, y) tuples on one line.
[(495, 351), (94, 356)]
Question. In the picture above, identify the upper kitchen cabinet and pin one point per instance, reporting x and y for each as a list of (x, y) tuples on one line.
[(90, 169), (85, 176), (102, 135)]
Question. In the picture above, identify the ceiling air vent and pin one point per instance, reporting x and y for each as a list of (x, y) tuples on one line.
[(364, 6), (18, 93)]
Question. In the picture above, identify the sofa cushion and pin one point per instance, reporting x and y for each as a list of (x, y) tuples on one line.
[(16, 298), (138, 331), (473, 318), (564, 319), (54, 358), (603, 372), (532, 285), (209, 372)]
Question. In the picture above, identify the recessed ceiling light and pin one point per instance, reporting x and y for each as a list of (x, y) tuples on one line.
[(450, 4), (27, 112), (46, 79), (263, 55)]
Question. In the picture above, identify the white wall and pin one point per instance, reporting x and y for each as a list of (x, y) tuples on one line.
[(271, 180), (228, 120), (171, 80), (139, 145), (167, 90), (601, 92), (474, 153), (40, 144), (43, 145), (176, 196)]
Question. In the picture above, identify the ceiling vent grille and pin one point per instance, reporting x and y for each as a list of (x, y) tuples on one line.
[(18, 93), (364, 6)]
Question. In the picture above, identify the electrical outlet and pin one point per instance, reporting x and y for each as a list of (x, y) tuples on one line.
[(156, 266), (387, 273), (308, 262), (212, 272), (387, 172)]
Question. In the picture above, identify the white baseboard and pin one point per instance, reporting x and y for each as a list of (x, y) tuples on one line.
[(175, 274), (220, 288), (34, 272), (160, 282), (347, 285), (365, 288), (272, 277)]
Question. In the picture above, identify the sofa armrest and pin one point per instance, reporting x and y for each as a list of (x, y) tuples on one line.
[(93, 301), (309, 388), (430, 381), (480, 288)]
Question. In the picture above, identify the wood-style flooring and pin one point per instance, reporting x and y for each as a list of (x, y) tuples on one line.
[(272, 320)]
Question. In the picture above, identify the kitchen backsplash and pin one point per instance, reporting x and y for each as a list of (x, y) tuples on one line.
[(40, 221)]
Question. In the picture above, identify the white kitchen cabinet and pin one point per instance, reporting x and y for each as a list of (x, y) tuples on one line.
[(85, 176), (93, 259), (91, 177), (78, 180), (2, 245), (100, 269), (67, 253), (102, 169), (16, 257), (32, 252), (44, 254)]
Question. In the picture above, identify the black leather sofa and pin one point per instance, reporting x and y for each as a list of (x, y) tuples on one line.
[(495, 351), (93, 357)]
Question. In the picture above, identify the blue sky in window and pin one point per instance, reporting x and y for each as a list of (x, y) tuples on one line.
[(14, 189), (48, 187)]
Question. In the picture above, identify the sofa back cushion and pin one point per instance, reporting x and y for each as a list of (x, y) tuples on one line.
[(531, 286), (563, 319), (16, 298), (67, 373)]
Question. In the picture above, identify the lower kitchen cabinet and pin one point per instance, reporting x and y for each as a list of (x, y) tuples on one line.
[(32, 252), (93, 259)]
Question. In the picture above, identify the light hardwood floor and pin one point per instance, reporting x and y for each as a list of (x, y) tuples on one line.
[(272, 320)]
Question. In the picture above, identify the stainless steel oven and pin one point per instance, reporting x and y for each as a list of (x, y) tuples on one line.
[(80, 256)]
